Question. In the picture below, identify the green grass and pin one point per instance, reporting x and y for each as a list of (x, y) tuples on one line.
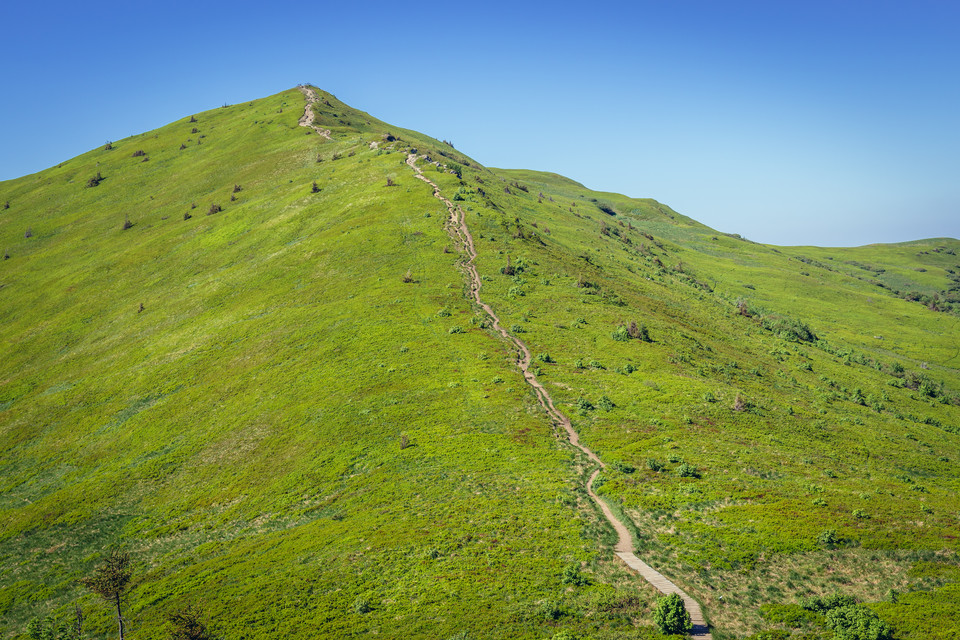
[(241, 434)]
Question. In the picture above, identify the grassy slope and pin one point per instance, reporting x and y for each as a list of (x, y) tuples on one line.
[(811, 450), (240, 435)]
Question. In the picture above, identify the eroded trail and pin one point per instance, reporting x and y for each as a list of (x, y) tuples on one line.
[(306, 120), (458, 230)]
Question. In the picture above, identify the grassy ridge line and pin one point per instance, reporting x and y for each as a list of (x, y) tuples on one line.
[(765, 467), (240, 434), (285, 459), (461, 234)]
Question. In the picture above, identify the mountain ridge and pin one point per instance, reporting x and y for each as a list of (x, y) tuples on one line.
[(295, 336)]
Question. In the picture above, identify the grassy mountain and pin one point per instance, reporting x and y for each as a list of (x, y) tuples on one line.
[(245, 353)]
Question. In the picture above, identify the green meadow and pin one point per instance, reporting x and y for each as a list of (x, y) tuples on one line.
[(246, 355)]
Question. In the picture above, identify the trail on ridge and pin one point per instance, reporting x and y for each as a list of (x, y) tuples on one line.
[(306, 120), (624, 547)]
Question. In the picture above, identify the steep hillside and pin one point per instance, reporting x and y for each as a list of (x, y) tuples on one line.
[(248, 354)]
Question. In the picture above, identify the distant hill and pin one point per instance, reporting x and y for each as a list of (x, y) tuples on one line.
[(248, 354)]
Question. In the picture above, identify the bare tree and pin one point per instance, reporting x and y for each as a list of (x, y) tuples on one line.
[(111, 579)]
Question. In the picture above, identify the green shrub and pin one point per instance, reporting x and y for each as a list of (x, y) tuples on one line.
[(605, 403), (857, 622), (654, 465), (584, 405), (552, 611), (687, 471), (788, 329), (186, 623), (571, 575), (621, 334), (95, 180), (623, 467), (455, 329), (828, 537), (640, 333), (671, 615), (826, 603), (362, 605), (791, 615)]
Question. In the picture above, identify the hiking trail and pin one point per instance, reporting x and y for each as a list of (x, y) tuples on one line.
[(306, 120), (624, 548)]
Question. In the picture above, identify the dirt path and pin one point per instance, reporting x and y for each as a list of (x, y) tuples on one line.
[(624, 548), (306, 120)]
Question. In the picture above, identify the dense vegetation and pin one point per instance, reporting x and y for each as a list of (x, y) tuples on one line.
[(243, 354)]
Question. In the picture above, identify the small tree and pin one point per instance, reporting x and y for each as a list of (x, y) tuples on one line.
[(315, 188), (671, 615), (186, 624), (111, 579)]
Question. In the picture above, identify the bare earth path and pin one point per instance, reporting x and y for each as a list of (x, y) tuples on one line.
[(306, 120), (624, 548)]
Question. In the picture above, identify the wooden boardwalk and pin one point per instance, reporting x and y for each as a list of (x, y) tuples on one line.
[(663, 585)]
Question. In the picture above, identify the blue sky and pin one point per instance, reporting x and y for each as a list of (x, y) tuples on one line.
[(787, 122)]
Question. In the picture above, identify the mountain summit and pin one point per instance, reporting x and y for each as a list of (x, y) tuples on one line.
[(321, 376)]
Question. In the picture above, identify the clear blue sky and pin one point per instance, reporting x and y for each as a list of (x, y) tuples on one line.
[(831, 123)]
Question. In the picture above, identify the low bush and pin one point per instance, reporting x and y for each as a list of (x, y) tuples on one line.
[(671, 616), (857, 622), (214, 208), (362, 605), (571, 575), (687, 471)]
